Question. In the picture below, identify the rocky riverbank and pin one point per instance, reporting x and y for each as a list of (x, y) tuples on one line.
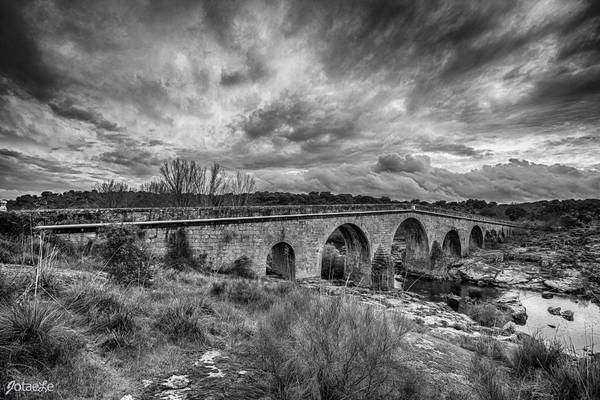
[(557, 262)]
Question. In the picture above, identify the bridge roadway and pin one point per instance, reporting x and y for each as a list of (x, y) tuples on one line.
[(293, 244)]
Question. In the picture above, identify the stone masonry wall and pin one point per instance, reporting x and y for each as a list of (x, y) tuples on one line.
[(224, 241)]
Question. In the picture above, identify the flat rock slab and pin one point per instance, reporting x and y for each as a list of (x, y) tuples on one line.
[(443, 364), (475, 270), (214, 375)]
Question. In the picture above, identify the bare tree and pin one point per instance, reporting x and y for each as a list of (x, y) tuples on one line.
[(112, 193), (217, 184), (156, 186), (242, 185), (183, 180), (187, 182)]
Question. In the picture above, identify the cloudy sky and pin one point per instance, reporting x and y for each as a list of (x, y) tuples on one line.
[(497, 100)]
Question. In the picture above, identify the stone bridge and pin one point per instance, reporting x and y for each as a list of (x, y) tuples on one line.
[(292, 245)]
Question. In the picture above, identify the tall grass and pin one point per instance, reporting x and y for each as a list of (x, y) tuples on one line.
[(334, 349), (535, 353), (577, 380), (185, 319), (34, 335), (105, 310), (490, 384)]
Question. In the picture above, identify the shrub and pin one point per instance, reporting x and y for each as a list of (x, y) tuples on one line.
[(185, 320), (127, 262), (242, 267), (334, 349), (533, 353), (15, 224), (179, 255), (32, 335), (18, 250), (62, 246), (250, 293), (246, 293), (486, 314)]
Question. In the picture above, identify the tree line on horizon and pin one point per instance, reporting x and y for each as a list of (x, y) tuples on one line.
[(186, 183)]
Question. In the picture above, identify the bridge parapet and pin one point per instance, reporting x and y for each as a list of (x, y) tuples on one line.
[(118, 215)]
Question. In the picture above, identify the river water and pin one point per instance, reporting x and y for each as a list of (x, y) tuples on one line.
[(582, 332)]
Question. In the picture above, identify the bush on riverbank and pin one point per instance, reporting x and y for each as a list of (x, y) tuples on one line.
[(537, 370), (334, 349)]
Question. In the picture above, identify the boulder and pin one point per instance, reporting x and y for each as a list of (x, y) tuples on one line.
[(453, 301), (554, 310), (510, 327), (567, 314), (511, 303), (547, 295)]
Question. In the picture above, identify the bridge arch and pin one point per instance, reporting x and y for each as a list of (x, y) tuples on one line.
[(410, 245), (451, 245), (346, 254), (281, 261), (476, 238)]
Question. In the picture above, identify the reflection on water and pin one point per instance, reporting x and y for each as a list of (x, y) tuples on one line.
[(434, 290), (583, 331)]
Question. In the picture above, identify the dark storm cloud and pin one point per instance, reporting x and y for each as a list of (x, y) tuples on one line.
[(66, 109), (233, 78), (136, 162), (27, 161), (576, 141), (299, 120), (453, 148), (255, 70), (149, 95), (397, 163), (218, 15), (377, 34), (20, 56), (13, 137), (26, 173), (587, 32), (447, 41)]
